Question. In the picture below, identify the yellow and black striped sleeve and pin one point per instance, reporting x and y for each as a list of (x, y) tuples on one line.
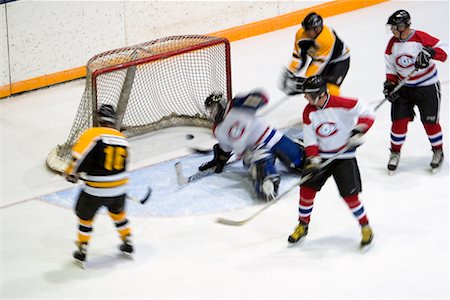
[(86, 142), (301, 46), (328, 48)]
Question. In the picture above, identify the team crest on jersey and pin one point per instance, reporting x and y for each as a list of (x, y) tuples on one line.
[(405, 61), (236, 131), (326, 129)]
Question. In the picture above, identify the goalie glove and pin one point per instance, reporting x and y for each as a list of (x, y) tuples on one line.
[(388, 87), (220, 159), (291, 84), (423, 58)]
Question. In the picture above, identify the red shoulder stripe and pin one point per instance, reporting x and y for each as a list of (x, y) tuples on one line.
[(308, 109), (336, 101), (390, 44), (424, 38)]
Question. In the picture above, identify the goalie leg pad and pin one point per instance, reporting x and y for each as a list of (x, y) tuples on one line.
[(290, 153), (270, 186), (263, 173)]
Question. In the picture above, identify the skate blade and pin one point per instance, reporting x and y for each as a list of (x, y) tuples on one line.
[(366, 247), (295, 244), (81, 264), (127, 255), (292, 245), (435, 170), (391, 172)]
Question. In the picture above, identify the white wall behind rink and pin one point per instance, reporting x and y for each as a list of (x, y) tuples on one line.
[(44, 37)]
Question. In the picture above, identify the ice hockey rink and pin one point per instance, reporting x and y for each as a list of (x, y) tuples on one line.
[(181, 252)]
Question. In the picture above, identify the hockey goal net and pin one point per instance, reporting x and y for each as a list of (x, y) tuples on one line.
[(154, 85)]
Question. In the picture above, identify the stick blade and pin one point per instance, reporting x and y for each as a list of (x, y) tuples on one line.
[(230, 222), (181, 179), (147, 196), (201, 151)]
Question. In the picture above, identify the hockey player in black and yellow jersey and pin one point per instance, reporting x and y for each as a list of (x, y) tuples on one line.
[(329, 56), (100, 154)]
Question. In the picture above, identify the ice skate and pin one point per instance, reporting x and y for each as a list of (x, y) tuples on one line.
[(393, 162), (80, 254), (300, 231), (127, 247), (367, 236), (436, 161)]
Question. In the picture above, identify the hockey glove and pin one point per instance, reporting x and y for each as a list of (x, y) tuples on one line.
[(220, 159), (356, 138), (423, 58), (73, 178), (312, 166), (388, 87), (291, 84)]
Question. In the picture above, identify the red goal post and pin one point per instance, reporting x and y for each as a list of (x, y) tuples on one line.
[(153, 85)]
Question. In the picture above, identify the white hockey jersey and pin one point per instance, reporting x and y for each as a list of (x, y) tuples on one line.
[(241, 130), (327, 129), (400, 56)]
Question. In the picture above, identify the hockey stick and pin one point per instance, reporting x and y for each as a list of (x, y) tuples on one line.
[(144, 199), (269, 204), (182, 180), (140, 201), (397, 88)]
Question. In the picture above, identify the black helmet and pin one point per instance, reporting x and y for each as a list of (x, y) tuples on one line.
[(216, 104), (107, 114), (400, 17), (315, 85), (311, 21)]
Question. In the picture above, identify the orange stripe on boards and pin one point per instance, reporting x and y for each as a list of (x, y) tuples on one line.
[(233, 34), (5, 91), (42, 81), (47, 80), (264, 26)]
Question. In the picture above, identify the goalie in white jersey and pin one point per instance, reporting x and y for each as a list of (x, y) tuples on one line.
[(239, 131), (330, 124)]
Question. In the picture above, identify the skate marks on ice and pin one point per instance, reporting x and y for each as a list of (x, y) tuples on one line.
[(328, 245), (99, 263), (228, 191), (408, 165)]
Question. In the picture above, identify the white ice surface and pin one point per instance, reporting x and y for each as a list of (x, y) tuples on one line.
[(181, 252)]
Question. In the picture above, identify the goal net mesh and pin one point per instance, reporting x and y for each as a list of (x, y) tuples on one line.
[(154, 85)]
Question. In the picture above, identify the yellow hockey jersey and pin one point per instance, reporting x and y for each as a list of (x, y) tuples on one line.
[(326, 48), (101, 153)]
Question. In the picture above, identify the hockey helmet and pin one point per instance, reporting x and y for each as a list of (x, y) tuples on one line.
[(107, 114), (311, 21), (216, 105), (400, 18), (315, 86)]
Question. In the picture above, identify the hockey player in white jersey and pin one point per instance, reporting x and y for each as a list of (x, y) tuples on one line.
[(239, 131), (413, 51), (330, 124)]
